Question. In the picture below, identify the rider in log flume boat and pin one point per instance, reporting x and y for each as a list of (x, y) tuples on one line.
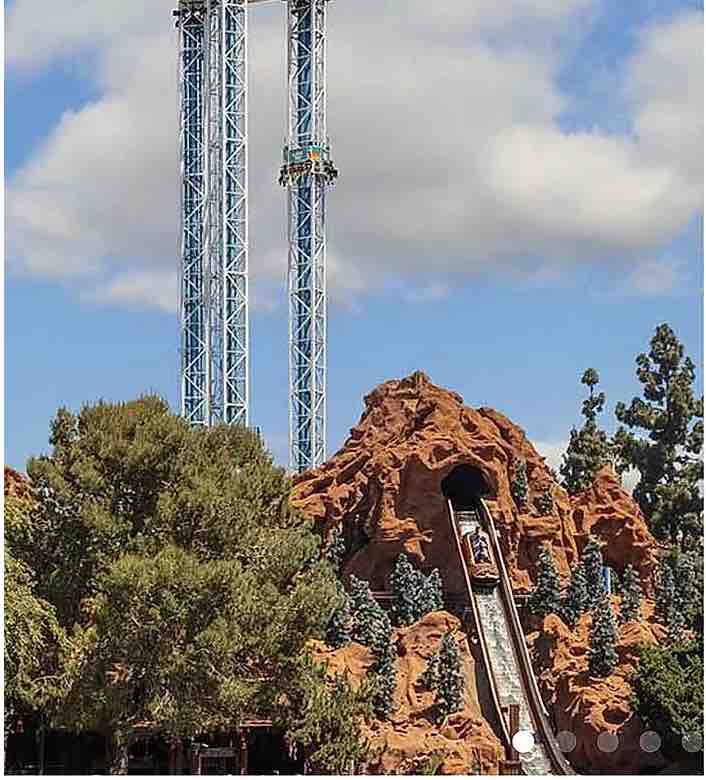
[(482, 569)]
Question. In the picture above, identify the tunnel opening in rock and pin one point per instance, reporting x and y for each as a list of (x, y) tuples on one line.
[(463, 486)]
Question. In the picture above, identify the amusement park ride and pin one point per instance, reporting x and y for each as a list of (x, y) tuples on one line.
[(215, 338)]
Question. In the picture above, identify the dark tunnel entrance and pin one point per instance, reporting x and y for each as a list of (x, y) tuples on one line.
[(463, 486)]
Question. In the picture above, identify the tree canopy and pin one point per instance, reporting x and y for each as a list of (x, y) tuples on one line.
[(662, 438), (187, 586)]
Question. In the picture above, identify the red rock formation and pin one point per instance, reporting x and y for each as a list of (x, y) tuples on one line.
[(384, 487), (463, 744), (587, 706)]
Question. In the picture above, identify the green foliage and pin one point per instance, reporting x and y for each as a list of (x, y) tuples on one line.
[(602, 656), (339, 631), (414, 595), (171, 555), (372, 628), (668, 686), (576, 600), (519, 486), (667, 450), (325, 722), (34, 641), (589, 448), (632, 595), (443, 676), (667, 606), (592, 562), (544, 503), (335, 550), (545, 599)]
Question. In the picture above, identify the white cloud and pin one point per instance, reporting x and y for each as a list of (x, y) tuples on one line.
[(552, 452), (152, 288), (653, 278), (451, 158)]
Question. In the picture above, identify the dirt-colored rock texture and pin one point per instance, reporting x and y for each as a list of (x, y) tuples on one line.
[(411, 742), (384, 488), (596, 711)]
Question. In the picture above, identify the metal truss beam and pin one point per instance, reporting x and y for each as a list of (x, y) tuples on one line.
[(307, 172), (214, 266)]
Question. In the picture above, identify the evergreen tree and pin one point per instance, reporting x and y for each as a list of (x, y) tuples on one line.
[(384, 670), (414, 595), (544, 503), (339, 631), (631, 596), (368, 615), (576, 600), (688, 586), (443, 676), (519, 486), (589, 448), (406, 587), (592, 562), (602, 656), (667, 451), (432, 593), (546, 596), (667, 605), (335, 550)]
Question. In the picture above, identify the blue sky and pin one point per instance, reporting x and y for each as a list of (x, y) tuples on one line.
[(520, 198)]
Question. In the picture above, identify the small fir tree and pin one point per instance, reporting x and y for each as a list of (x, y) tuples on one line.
[(519, 485), (576, 601), (406, 592), (384, 672), (544, 503), (631, 596), (339, 631), (688, 584), (432, 593), (546, 597), (589, 448), (602, 656), (335, 550), (368, 615), (592, 562), (667, 606), (443, 676), (414, 595)]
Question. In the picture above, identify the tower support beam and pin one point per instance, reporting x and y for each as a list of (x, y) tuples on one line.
[(307, 173), (214, 263)]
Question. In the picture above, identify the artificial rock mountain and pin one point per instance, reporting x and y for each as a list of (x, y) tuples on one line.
[(383, 489)]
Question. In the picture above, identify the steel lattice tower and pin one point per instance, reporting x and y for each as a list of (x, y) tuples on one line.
[(307, 172), (214, 262)]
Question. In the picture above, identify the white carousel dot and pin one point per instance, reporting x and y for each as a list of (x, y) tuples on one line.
[(566, 740), (607, 742), (523, 741), (693, 742), (650, 741)]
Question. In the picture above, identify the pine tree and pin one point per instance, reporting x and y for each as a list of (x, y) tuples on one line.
[(384, 669), (667, 451), (406, 588), (335, 550), (602, 656), (414, 595), (443, 676), (667, 605), (544, 503), (368, 615), (432, 593), (632, 595), (589, 448), (339, 631), (519, 485), (592, 562), (546, 597), (576, 601)]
